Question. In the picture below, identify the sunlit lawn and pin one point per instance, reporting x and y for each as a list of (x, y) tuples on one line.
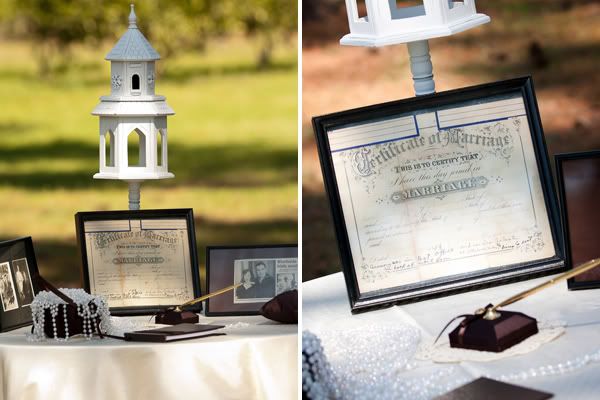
[(232, 148)]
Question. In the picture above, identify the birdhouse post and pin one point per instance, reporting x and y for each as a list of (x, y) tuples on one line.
[(387, 22), (133, 119)]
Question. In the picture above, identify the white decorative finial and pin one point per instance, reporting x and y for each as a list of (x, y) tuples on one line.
[(132, 18)]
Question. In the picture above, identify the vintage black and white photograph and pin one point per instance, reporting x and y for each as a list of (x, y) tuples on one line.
[(18, 268), (287, 275), (285, 282), (262, 271), (7, 288), (257, 278), (23, 282)]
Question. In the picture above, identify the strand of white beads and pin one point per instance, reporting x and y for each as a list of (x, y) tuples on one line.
[(66, 322), (54, 313)]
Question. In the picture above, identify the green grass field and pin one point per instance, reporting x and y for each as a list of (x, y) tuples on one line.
[(232, 148)]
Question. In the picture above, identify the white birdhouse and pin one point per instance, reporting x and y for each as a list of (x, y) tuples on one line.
[(389, 22), (133, 119)]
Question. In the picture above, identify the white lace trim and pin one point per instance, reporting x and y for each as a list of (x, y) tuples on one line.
[(441, 352)]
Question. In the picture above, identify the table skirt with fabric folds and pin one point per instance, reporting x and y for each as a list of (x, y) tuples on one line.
[(255, 360)]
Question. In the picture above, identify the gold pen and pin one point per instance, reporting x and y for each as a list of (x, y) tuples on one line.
[(491, 313), (207, 296)]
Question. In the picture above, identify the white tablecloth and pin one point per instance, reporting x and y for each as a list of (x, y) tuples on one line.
[(255, 361), (325, 306)]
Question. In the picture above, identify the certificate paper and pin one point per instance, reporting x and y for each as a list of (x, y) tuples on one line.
[(440, 192), (134, 262)]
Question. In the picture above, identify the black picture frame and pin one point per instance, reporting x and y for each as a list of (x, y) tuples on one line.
[(17, 255), (578, 193), (520, 86), (220, 274), (185, 214)]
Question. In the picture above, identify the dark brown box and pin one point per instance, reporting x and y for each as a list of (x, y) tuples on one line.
[(74, 321), (171, 317), (494, 335)]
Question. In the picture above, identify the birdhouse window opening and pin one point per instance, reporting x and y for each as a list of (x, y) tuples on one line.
[(160, 151), (400, 9), (109, 149), (136, 149), (359, 10), (135, 82), (452, 4)]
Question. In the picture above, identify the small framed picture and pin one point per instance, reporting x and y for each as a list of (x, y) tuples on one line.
[(263, 272), (440, 193), (578, 176), (17, 287), (141, 261)]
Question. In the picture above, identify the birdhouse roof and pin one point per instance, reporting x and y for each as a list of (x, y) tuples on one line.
[(133, 46)]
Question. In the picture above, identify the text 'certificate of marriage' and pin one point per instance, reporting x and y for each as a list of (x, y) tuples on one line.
[(135, 261), (442, 192)]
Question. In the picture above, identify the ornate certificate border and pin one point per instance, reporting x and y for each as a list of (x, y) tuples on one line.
[(480, 145), (117, 244)]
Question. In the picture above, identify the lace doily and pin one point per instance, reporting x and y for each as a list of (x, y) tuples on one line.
[(236, 325), (441, 352)]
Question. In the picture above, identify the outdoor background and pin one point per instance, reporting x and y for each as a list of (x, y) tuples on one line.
[(555, 41), (228, 69)]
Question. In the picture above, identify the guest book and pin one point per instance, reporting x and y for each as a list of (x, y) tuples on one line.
[(484, 388), (173, 333)]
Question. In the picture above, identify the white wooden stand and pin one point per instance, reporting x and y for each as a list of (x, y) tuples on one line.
[(134, 195), (421, 67)]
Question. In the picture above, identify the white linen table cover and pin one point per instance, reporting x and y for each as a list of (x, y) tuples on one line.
[(254, 361), (325, 306)]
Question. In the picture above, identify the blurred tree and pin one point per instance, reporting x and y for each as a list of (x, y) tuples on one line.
[(267, 19), (54, 25), (316, 9), (174, 25)]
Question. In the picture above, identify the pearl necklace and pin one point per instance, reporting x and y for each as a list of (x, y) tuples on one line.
[(89, 308)]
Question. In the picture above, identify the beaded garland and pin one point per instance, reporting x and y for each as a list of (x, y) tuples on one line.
[(366, 361), (373, 367), (318, 381), (89, 308)]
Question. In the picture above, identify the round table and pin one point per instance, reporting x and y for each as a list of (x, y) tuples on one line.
[(325, 307), (256, 359)]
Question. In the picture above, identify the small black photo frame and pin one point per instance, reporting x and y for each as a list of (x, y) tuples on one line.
[(441, 193), (578, 176), (141, 261), (265, 271), (18, 266)]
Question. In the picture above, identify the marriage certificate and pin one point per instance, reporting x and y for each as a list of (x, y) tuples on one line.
[(136, 262), (440, 192)]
